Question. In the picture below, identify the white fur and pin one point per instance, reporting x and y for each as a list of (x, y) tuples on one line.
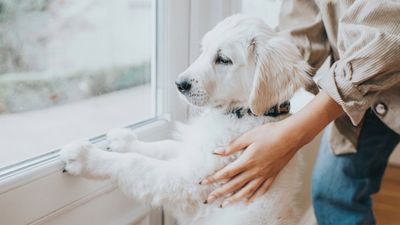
[(168, 172)]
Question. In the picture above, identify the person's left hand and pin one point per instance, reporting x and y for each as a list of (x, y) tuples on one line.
[(268, 149)]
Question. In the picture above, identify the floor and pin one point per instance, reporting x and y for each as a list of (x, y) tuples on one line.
[(387, 201)]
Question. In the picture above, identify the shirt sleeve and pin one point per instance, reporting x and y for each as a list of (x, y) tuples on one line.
[(302, 22), (369, 56)]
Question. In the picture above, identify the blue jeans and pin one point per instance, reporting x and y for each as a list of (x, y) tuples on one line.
[(342, 185)]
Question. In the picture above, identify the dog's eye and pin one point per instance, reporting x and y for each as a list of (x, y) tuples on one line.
[(221, 59)]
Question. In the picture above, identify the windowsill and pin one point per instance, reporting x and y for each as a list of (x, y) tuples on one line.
[(25, 135)]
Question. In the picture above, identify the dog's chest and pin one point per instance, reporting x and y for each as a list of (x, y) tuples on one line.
[(202, 135), (211, 130)]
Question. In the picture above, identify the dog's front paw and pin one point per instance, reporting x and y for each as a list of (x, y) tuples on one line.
[(75, 156), (121, 140)]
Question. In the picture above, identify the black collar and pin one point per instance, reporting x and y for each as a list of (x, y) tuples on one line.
[(274, 111)]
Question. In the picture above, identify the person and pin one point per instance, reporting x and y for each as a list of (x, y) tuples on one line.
[(360, 93)]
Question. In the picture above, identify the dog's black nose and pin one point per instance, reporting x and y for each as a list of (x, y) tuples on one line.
[(183, 86)]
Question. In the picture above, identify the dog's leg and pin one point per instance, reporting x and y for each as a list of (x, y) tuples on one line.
[(165, 149), (140, 176), (124, 140)]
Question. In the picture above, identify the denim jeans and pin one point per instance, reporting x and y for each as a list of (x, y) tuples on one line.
[(342, 185)]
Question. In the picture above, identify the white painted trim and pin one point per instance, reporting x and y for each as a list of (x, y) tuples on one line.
[(84, 199), (172, 54), (38, 191)]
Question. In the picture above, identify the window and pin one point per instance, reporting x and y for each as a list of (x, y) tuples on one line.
[(144, 43), (72, 69)]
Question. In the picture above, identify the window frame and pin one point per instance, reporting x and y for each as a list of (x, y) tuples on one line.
[(180, 24), (42, 174)]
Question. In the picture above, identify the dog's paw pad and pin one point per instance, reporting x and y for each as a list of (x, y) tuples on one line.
[(74, 156)]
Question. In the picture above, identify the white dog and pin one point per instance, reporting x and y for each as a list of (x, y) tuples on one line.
[(244, 70)]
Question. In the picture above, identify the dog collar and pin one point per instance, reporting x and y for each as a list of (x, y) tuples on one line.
[(274, 111)]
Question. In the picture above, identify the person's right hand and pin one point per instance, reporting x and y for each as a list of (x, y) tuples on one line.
[(267, 150)]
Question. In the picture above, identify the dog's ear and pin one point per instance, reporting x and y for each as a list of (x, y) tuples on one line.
[(280, 72)]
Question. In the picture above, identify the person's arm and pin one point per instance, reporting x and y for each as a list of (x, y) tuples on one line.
[(268, 149), (369, 48)]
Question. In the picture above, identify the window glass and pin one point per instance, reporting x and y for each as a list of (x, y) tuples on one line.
[(72, 69)]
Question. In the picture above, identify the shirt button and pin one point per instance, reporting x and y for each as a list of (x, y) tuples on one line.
[(381, 109)]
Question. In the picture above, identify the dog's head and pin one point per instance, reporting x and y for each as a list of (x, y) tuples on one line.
[(244, 63)]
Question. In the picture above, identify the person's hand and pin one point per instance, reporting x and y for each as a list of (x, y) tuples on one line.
[(268, 149)]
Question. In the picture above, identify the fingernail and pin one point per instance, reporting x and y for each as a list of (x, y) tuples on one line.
[(223, 181), (211, 198), (219, 151), (205, 202), (225, 203)]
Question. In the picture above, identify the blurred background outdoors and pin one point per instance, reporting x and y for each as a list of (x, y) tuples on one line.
[(63, 63)]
